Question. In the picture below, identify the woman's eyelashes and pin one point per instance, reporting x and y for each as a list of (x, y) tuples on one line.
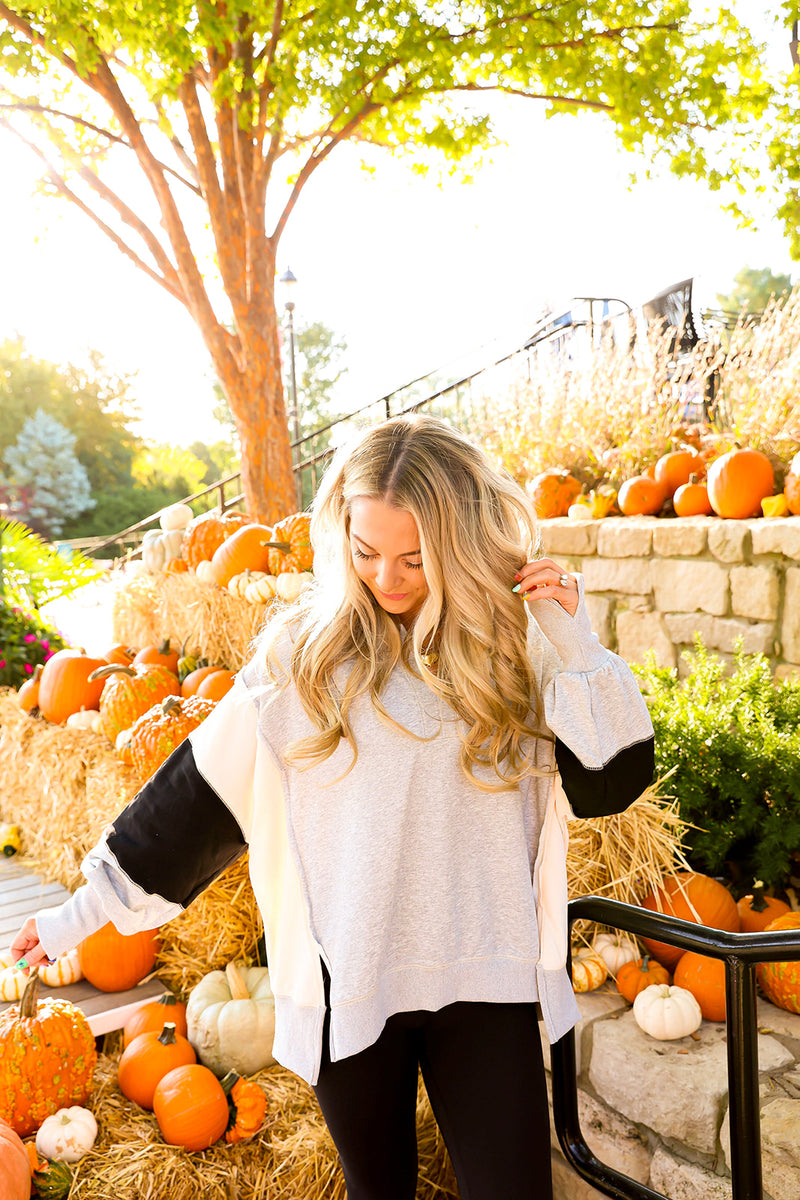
[(360, 554)]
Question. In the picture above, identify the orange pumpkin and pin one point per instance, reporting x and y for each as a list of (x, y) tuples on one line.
[(148, 1058), (216, 684), (64, 686), (691, 499), (290, 546), (191, 1108), (641, 496), (47, 1059), (163, 727), (193, 680), (757, 911), (152, 1017), (15, 1167), (28, 694), (246, 549), (176, 566), (791, 486), (120, 655), (780, 981), (675, 469), (738, 481), (114, 961), (677, 897), (130, 691), (205, 533), (162, 654), (249, 1103), (552, 493), (704, 977), (633, 977)]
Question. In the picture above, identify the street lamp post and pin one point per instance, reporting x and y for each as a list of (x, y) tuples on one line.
[(289, 280)]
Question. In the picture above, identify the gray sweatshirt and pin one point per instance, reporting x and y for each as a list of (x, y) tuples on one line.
[(413, 886)]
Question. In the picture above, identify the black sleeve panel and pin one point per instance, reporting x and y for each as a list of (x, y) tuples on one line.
[(176, 836), (613, 787)]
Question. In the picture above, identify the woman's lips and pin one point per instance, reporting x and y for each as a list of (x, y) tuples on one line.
[(392, 596)]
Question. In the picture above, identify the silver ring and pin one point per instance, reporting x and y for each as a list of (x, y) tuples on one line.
[(563, 580)]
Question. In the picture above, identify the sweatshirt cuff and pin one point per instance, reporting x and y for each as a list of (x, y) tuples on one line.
[(61, 928), (578, 648)]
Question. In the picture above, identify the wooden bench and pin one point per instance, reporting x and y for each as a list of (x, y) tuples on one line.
[(22, 894)]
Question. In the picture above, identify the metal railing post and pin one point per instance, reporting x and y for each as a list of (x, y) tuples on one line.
[(744, 1113), (740, 953)]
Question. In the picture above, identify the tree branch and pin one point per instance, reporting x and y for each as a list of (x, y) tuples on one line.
[(26, 106), (311, 165), (134, 222), (63, 188)]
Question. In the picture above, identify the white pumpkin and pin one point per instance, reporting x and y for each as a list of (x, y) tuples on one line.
[(159, 548), (289, 584), (666, 1012), (261, 591), (67, 1135), (237, 584), (12, 984), (87, 718), (153, 550), (65, 970), (205, 572), (176, 516), (615, 950), (230, 1016), (588, 971)]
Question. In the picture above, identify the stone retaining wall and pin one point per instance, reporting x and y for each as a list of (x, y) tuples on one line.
[(658, 1111), (652, 583)]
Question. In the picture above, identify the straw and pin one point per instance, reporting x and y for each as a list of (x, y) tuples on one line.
[(150, 607)]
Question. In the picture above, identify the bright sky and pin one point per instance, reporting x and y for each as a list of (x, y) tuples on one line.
[(410, 272)]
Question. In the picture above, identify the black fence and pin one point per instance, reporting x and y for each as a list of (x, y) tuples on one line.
[(740, 953)]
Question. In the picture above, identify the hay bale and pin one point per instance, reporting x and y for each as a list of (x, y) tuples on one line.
[(62, 786), (150, 607), (292, 1156)]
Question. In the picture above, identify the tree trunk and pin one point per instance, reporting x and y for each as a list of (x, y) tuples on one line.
[(254, 390)]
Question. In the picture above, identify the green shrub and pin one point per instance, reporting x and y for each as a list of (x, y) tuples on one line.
[(25, 641), (734, 741)]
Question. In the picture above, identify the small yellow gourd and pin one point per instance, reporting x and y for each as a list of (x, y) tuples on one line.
[(775, 506), (588, 971)]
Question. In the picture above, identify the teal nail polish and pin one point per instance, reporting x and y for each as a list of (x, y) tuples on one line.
[(516, 589), (22, 964)]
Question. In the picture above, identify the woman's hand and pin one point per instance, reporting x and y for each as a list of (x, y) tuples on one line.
[(544, 579), (26, 945)]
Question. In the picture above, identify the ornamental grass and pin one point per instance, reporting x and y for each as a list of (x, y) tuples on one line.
[(613, 413)]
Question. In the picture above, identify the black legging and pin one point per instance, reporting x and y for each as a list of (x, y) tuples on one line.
[(483, 1070)]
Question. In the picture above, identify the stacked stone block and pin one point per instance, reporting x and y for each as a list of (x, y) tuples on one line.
[(658, 1111), (652, 583)]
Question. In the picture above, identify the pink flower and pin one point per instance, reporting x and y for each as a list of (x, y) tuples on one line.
[(2, 663), (28, 669), (29, 637), (45, 644)]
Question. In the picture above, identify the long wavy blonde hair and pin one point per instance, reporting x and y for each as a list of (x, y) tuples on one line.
[(476, 529)]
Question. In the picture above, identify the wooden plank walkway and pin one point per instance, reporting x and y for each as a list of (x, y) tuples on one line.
[(22, 894)]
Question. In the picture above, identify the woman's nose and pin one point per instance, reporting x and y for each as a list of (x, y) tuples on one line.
[(386, 576)]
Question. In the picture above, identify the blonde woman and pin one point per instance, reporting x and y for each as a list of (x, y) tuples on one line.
[(400, 755)]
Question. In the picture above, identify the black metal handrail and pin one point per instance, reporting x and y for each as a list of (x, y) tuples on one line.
[(740, 953)]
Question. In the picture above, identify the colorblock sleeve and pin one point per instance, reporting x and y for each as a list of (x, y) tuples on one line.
[(189, 822), (592, 704)]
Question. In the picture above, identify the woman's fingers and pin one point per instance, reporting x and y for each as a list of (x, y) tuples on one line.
[(26, 946), (546, 579)]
